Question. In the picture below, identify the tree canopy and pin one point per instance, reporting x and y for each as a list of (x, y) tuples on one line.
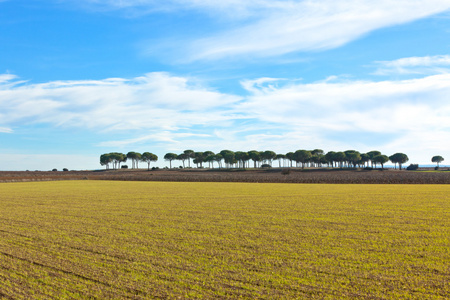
[(437, 159), (170, 157), (399, 158), (148, 158), (241, 159)]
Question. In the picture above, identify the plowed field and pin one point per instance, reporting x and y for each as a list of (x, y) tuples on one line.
[(143, 240)]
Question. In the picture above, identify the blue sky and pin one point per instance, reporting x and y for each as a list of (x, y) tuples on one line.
[(86, 77)]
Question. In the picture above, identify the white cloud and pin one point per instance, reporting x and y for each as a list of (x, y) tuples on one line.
[(172, 113), (265, 28), (6, 77), (311, 25), (415, 65), (6, 130), (167, 137), (359, 114), (154, 101)]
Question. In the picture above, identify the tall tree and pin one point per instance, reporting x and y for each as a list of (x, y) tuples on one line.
[(372, 154), (190, 154), (148, 158), (228, 157), (331, 158), (183, 157), (398, 158), (210, 159), (137, 158), (199, 158), (318, 160), (105, 160), (280, 157), (437, 159), (218, 158), (340, 158), (131, 156), (242, 158), (353, 157), (381, 159), (316, 156), (302, 156), (170, 157), (291, 157), (255, 156), (207, 154), (268, 156), (364, 159), (116, 159)]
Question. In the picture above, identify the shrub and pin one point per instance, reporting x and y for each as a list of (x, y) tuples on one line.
[(436, 168), (155, 168), (412, 167), (54, 170), (286, 171), (124, 167), (65, 170), (266, 166)]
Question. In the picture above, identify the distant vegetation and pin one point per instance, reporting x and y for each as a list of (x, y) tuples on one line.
[(240, 159), (115, 159), (437, 159)]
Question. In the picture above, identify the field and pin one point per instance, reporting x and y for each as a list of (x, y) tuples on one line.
[(141, 240), (275, 175)]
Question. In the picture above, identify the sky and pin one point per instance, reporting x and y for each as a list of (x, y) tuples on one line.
[(79, 78)]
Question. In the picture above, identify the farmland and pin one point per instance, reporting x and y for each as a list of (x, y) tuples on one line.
[(140, 240), (275, 175)]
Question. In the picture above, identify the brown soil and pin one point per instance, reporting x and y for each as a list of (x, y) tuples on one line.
[(270, 175)]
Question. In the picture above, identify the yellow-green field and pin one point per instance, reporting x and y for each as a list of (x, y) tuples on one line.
[(141, 240)]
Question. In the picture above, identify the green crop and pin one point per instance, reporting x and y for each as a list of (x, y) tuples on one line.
[(141, 240)]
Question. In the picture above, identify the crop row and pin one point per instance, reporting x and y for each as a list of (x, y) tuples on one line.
[(267, 176)]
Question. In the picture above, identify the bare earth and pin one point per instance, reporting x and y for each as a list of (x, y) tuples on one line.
[(275, 175)]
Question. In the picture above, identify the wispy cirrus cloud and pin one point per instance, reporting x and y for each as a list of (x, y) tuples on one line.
[(300, 26), (159, 136), (4, 78), (6, 130), (270, 28), (414, 65), (154, 101), (312, 25)]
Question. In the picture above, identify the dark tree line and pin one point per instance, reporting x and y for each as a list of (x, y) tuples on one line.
[(115, 159), (256, 159), (299, 158)]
